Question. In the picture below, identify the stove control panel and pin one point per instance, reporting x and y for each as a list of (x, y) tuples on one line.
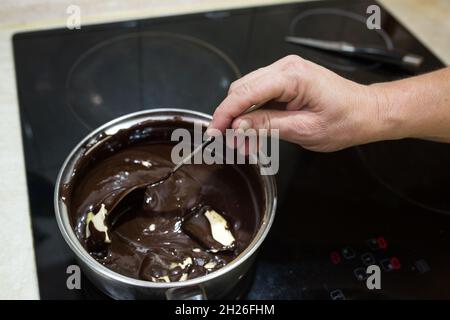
[(350, 267)]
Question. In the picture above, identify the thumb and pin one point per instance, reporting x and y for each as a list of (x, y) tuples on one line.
[(269, 119)]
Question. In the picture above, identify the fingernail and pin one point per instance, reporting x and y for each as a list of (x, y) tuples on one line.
[(212, 132), (245, 124)]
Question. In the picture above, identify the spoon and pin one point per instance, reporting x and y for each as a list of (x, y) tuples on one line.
[(137, 192)]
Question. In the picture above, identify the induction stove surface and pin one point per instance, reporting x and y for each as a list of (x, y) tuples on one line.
[(385, 203)]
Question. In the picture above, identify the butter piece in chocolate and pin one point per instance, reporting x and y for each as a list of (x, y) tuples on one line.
[(210, 229), (219, 229), (96, 229), (161, 279), (186, 262), (183, 277), (210, 265)]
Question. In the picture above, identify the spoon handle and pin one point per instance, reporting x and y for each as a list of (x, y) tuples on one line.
[(207, 141), (252, 108), (194, 152)]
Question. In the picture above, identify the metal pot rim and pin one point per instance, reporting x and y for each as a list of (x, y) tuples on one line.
[(66, 229)]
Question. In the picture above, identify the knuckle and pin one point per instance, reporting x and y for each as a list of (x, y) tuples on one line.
[(233, 86), (292, 76), (242, 90), (292, 61), (292, 86)]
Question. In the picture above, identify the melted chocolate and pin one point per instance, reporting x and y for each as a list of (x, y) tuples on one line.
[(147, 238)]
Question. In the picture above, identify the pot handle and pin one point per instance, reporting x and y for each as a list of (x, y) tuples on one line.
[(186, 293)]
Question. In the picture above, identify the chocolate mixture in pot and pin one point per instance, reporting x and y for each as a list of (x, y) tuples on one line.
[(194, 223)]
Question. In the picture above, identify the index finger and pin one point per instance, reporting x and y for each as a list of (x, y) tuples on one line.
[(273, 86)]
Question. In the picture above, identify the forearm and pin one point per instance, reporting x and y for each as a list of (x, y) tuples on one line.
[(417, 107)]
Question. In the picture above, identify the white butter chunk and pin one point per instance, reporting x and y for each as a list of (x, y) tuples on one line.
[(98, 220), (163, 278), (186, 262), (219, 228), (183, 277), (210, 265)]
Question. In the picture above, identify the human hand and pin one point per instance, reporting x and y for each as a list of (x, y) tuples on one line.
[(308, 104)]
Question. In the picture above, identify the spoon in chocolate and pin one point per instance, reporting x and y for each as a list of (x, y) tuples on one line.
[(129, 198)]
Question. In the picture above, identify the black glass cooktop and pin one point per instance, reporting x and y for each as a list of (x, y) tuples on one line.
[(386, 203)]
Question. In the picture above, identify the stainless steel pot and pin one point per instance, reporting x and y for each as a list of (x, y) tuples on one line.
[(212, 286)]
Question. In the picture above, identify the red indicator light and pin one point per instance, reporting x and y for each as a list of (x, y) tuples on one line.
[(395, 263), (335, 257), (382, 243)]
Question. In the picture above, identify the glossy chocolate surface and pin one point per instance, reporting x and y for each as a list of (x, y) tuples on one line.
[(147, 238)]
